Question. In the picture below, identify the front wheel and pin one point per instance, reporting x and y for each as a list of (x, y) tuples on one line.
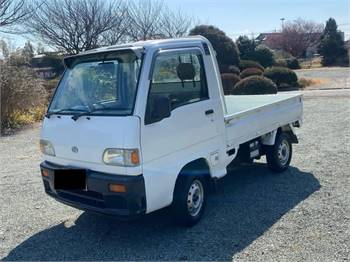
[(189, 200), (280, 154)]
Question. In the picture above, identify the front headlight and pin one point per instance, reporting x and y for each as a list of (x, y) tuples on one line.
[(121, 157), (46, 147)]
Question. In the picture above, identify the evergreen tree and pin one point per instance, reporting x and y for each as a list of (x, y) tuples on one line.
[(246, 47), (226, 49), (264, 56), (249, 49), (332, 46)]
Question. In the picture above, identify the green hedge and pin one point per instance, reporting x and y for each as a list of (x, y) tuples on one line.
[(282, 76), (229, 69), (264, 56), (251, 72), (255, 85), (291, 63), (244, 64), (281, 62), (228, 82), (234, 70)]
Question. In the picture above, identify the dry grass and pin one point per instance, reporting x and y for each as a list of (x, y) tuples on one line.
[(19, 118), (310, 63), (307, 82)]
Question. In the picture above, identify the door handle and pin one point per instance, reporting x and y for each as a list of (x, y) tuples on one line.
[(209, 112)]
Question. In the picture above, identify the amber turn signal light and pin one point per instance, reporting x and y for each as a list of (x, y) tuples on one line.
[(117, 188), (45, 172), (135, 157)]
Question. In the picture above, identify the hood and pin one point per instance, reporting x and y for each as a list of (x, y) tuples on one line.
[(82, 143)]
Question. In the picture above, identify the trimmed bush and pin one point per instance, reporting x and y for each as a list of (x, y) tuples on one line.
[(282, 76), (264, 56), (255, 85), (226, 50), (224, 69), (229, 69), (244, 64), (293, 63), (228, 82), (281, 62), (233, 70), (253, 71)]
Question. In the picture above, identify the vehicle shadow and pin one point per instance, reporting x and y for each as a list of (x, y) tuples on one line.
[(249, 201)]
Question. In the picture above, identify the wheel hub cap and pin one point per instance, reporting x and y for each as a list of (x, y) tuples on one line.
[(283, 152), (195, 198)]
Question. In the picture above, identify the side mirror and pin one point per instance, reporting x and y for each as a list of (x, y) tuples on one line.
[(158, 108)]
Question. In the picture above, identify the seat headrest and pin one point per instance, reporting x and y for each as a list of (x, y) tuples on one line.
[(185, 71)]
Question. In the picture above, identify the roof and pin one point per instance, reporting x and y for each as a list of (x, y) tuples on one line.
[(150, 43), (273, 40), (140, 46), (264, 36), (39, 56)]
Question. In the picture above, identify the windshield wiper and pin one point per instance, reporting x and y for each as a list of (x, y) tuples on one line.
[(89, 112), (49, 114)]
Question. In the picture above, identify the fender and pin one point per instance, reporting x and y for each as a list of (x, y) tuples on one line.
[(289, 129), (269, 138)]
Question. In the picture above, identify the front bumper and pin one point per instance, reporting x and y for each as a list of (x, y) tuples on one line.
[(97, 197)]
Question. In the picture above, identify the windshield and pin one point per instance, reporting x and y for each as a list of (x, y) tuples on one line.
[(101, 84)]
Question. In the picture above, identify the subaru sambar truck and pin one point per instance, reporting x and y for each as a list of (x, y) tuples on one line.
[(138, 127)]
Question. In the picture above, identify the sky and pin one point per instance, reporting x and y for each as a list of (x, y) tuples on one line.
[(237, 17), (251, 17)]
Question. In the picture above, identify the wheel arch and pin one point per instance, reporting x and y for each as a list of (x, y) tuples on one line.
[(269, 139), (288, 129), (198, 167)]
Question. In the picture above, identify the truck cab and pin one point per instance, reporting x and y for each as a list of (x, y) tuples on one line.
[(135, 128)]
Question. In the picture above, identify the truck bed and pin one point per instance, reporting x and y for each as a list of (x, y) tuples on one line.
[(251, 116)]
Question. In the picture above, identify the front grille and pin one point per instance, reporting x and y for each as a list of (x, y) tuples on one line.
[(94, 199), (89, 198)]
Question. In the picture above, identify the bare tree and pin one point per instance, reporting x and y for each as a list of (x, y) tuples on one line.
[(145, 19), (299, 35), (175, 23), (152, 19), (13, 12), (76, 25), (118, 33)]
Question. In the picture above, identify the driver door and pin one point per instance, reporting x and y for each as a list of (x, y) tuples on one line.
[(192, 120)]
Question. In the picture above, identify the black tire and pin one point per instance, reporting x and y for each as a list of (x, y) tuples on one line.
[(182, 213), (279, 155)]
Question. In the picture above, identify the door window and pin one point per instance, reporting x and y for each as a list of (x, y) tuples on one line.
[(180, 77)]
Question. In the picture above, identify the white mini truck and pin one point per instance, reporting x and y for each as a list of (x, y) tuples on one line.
[(135, 128)]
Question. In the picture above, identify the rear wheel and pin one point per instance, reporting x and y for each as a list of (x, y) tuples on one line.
[(189, 199), (280, 154)]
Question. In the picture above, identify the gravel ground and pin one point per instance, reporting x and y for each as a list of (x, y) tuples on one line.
[(302, 214), (331, 77)]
